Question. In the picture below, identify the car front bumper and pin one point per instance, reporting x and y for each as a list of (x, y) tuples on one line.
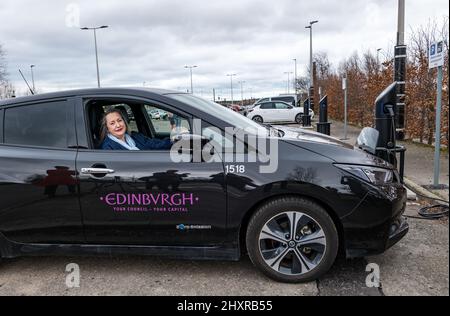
[(399, 229), (376, 224)]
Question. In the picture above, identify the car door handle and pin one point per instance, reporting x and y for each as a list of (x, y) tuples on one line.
[(96, 171)]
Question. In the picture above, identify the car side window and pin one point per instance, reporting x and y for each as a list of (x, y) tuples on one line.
[(281, 106), (214, 134), (224, 142), (267, 106), (165, 122), (127, 113), (1, 126), (290, 100), (43, 125)]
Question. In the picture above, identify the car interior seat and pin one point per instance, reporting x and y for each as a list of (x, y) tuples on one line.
[(124, 112), (96, 114)]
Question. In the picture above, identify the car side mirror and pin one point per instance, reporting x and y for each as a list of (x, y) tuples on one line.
[(192, 140), (190, 143)]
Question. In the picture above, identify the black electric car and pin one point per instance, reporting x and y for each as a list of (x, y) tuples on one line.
[(60, 193)]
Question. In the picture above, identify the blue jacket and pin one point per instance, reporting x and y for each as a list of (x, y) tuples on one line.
[(142, 142)]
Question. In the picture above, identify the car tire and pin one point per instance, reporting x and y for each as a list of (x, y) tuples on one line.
[(299, 119), (296, 265), (258, 119)]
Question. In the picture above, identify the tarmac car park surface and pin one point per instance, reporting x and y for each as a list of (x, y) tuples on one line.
[(416, 266)]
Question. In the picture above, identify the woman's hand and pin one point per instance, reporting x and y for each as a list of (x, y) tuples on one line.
[(177, 133)]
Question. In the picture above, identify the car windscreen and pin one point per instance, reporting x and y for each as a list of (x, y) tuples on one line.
[(232, 118)]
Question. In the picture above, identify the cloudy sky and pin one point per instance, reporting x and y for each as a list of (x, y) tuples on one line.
[(150, 41)]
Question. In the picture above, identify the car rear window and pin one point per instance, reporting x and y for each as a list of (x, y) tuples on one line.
[(43, 125)]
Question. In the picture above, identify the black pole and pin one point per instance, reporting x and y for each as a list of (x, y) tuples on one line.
[(400, 73), (324, 127), (400, 78), (306, 117)]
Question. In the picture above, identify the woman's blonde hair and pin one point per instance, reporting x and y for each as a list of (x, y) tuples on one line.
[(104, 124)]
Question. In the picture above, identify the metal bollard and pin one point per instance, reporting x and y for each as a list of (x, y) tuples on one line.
[(306, 116), (323, 127)]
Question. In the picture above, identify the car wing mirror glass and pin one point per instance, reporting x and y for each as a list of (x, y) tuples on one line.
[(192, 139), (368, 140)]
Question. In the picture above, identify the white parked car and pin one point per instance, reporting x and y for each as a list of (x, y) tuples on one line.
[(277, 112), (291, 99), (155, 114)]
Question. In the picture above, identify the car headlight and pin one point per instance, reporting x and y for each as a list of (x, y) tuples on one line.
[(374, 175)]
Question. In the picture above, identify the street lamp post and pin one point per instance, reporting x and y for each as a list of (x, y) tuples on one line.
[(190, 70), (311, 83), (295, 80), (345, 88), (288, 82), (32, 77), (96, 50), (307, 106), (231, 77), (242, 92)]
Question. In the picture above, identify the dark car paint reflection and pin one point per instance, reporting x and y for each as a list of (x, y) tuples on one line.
[(60, 176), (36, 207)]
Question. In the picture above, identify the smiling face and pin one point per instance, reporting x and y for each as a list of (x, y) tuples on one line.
[(116, 125)]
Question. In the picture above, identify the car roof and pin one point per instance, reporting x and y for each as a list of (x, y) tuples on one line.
[(277, 97), (265, 102), (145, 92), (276, 101)]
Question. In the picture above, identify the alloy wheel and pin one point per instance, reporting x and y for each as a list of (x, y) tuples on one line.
[(258, 119), (292, 243)]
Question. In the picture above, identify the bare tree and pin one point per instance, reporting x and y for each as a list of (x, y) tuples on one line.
[(323, 65), (2, 66), (302, 84), (367, 79), (422, 91)]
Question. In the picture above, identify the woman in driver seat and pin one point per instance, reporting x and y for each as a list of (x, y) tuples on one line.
[(115, 136)]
